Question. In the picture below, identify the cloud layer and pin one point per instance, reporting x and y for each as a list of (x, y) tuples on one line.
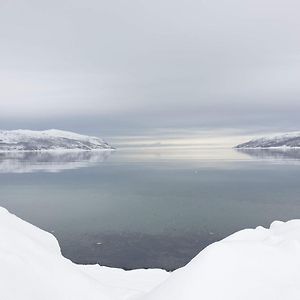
[(142, 64)]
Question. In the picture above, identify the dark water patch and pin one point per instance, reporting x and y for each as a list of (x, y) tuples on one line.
[(136, 250)]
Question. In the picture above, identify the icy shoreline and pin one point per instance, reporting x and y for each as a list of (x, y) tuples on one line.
[(250, 264)]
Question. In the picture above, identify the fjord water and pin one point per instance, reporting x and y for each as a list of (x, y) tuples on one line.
[(149, 208)]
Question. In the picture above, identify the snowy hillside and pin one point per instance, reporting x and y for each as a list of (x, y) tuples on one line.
[(289, 140), (260, 264), (29, 140)]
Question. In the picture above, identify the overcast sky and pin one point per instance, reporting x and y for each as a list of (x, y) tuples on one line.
[(122, 67)]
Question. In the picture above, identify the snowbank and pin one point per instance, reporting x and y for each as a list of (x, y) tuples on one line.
[(260, 264), (254, 264), (32, 268)]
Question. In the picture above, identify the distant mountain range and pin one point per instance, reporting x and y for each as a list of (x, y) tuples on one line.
[(289, 140), (48, 140)]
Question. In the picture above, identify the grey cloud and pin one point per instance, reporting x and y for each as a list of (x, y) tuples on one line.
[(129, 65)]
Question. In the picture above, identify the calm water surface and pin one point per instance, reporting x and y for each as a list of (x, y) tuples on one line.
[(149, 207)]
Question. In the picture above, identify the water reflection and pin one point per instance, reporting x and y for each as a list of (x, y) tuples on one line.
[(148, 207), (28, 162), (290, 154)]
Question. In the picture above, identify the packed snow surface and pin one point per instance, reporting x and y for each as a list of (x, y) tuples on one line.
[(253, 264), (29, 140), (260, 264), (32, 268), (288, 140)]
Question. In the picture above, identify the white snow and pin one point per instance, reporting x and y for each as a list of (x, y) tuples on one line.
[(53, 139), (253, 264), (256, 264), (278, 141), (32, 268), (8, 135)]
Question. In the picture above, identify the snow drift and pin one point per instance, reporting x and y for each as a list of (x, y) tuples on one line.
[(32, 268), (260, 264)]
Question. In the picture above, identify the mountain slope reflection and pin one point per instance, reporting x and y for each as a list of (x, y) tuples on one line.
[(28, 162), (289, 154)]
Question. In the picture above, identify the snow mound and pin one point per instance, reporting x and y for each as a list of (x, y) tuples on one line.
[(32, 268), (29, 140), (260, 264)]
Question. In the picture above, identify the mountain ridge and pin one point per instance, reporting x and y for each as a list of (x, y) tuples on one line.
[(49, 140), (287, 140)]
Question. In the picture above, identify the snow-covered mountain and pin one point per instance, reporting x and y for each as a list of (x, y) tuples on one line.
[(29, 140), (289, 140)]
